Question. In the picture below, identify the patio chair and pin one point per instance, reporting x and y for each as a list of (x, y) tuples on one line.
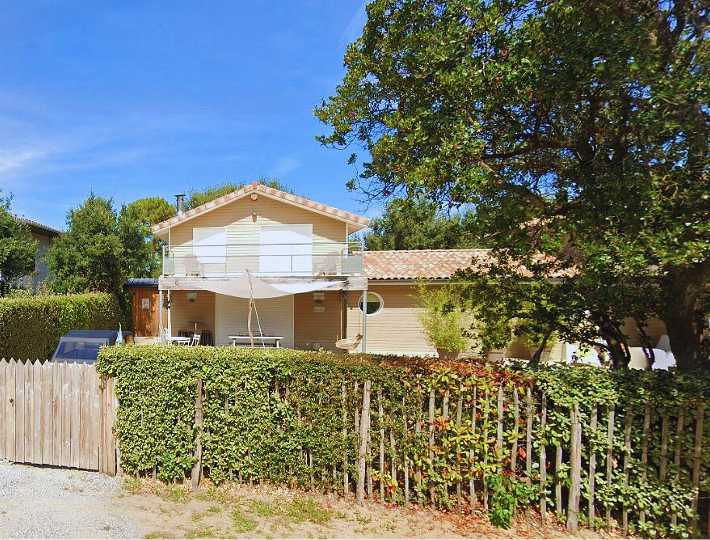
[(195, 340)]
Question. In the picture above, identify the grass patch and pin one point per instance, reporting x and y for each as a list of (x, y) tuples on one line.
[(264, 509), (242, 523), (214, 509), (178, 494), (132, 485), (158, 534), (204, 532), (196, 517), (306, 509)]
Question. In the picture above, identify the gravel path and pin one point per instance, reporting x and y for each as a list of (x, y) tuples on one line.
[(39, 502)]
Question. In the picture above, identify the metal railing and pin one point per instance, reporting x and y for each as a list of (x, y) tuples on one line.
[(293, 259)]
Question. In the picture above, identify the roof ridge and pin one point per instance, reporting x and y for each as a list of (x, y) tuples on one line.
[(269, 191)]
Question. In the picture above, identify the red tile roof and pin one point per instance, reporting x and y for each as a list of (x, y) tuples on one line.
[(419, 264), (358, 222)]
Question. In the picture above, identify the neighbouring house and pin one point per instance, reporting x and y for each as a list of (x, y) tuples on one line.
[(286, 268), (45, 237)]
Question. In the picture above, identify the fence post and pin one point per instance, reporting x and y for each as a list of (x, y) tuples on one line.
[(197, 467), (575, 458), (364, 435)]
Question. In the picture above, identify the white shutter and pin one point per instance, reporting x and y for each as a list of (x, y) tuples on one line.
[(286, 250)]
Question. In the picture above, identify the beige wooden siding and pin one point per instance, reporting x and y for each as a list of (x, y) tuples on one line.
[(396, 329), (184, 313), (316, 329), (655, 329), (275, 315)]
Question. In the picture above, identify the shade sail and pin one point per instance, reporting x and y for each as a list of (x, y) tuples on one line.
[(249, 286)]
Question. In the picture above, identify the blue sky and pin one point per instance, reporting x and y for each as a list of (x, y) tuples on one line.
[(142, 99)]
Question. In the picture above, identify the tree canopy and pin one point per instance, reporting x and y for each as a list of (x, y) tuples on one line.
[(17, 247), (417, 223), (577, 129), (142, 251), (89, 256)]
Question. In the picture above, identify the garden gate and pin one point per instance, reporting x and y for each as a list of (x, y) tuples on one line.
[(57, 413)]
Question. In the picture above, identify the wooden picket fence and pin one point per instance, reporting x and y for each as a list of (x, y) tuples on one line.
[(57, 413)]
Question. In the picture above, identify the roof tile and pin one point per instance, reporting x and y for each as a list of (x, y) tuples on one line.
[(420, 264)]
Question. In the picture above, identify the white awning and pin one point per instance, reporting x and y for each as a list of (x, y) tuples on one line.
[(249, 286)]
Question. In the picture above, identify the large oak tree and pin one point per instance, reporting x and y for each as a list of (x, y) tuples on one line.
[(578, 128)]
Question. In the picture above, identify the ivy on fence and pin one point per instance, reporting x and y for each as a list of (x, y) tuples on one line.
[(592, 446)]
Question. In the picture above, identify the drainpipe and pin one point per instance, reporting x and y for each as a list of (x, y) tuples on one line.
[(160, 315), (364, 321), (170, 330)]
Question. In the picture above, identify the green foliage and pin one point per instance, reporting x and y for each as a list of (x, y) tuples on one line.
[(89, 256), (507, 495), (143, 252), (444, 323), (578, 129), (17, 247), (30, 327), (200, 197), (288, 417), (417, 223)]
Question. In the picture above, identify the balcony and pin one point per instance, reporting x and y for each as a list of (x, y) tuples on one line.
[(292, 259)]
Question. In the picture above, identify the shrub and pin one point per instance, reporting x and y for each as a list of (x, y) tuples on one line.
[(30, 327)]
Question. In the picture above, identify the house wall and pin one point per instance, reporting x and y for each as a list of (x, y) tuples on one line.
[(274, 315), (243, 229), (318, 329), (396, 329), (183, 313)]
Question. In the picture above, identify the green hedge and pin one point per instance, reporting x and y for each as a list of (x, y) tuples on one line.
[(30, 327), (289, 417)]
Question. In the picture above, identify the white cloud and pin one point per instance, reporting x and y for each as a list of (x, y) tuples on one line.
[(284, 166), (355, 25)]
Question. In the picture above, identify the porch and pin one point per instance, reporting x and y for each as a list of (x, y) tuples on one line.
[(304, 313)]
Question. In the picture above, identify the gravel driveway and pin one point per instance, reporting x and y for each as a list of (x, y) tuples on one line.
[(40, 502)]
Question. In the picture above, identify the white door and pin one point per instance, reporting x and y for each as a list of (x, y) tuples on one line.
[(286, 250)]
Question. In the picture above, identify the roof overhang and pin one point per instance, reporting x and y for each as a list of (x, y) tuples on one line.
[(355, 222)]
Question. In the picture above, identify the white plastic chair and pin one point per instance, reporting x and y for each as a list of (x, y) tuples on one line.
[(195, 340)]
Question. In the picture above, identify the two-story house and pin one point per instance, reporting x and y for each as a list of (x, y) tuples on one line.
[(265, 260)]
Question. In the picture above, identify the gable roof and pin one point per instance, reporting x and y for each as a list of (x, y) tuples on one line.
[(357, 222), (38, 228), (420, 264)]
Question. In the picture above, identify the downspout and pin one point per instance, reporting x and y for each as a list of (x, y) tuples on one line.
[(364, 321), (170, 328), (160, 314)]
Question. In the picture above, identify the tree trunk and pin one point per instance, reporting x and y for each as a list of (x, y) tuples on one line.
[(683, 287), (541, 349), (609, 330), (646, 343)]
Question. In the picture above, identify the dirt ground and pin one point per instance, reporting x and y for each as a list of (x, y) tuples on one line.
[(267, 512), (47, 502)]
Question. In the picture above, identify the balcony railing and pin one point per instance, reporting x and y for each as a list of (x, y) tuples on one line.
[(294, 259)]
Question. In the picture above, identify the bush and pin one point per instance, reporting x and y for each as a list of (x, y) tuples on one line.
[(290, 417), (30, 327)]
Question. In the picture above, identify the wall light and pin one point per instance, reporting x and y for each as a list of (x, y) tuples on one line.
[(318, 296), (191, 296)]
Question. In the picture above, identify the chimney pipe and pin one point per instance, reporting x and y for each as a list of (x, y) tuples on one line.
[(180, 204)]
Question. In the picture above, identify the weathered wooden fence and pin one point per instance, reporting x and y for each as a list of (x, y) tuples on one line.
[(57, 413)]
